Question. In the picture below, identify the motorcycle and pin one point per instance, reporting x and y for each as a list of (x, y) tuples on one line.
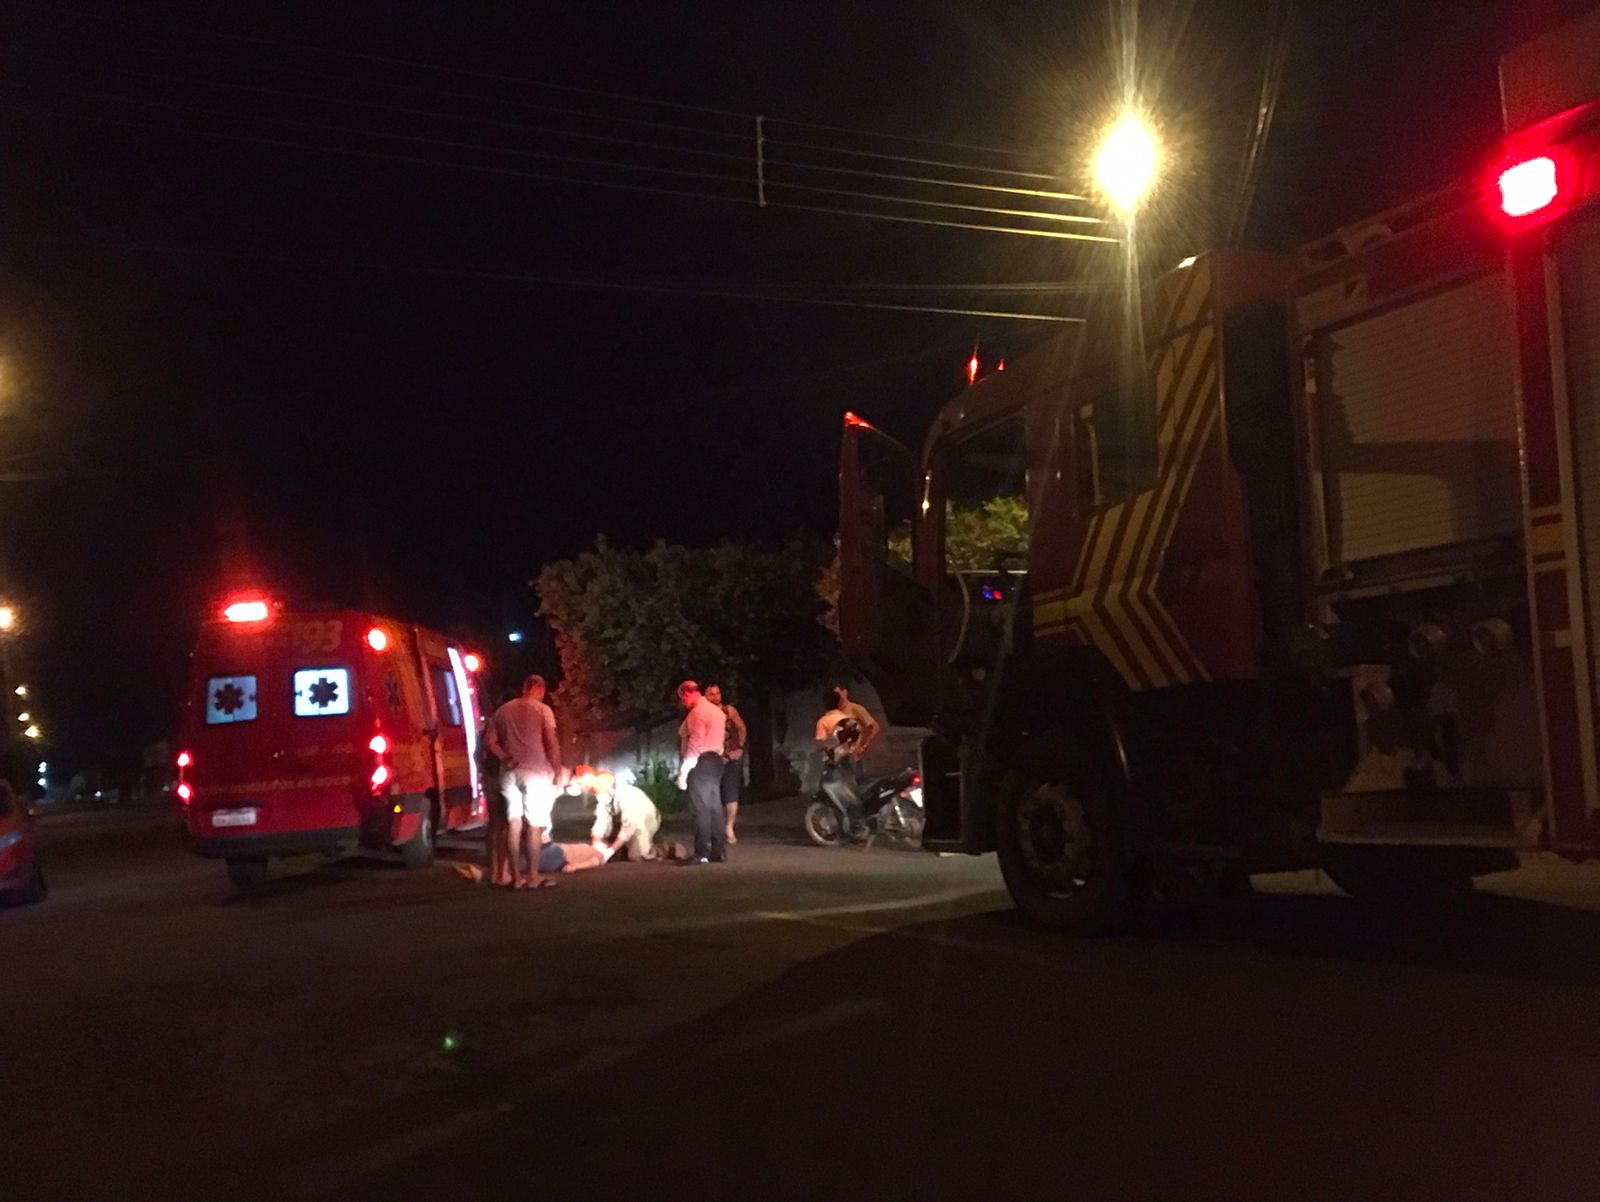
[(888, 806)]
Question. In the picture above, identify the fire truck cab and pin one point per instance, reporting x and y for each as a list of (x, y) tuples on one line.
[(1281, 564), (318, 732)]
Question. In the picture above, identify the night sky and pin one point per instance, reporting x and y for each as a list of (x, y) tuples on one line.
[(224, 352)]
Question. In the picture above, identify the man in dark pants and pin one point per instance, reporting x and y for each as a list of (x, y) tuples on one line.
[(704, 733)]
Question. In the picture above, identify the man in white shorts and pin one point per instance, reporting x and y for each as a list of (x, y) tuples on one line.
[(522, 736)]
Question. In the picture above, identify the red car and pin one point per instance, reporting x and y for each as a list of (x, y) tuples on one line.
[(21, 878), (322, 732)]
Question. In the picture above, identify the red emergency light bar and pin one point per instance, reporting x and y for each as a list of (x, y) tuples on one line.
[(1548, 169), (1529, 187), (247, 611)]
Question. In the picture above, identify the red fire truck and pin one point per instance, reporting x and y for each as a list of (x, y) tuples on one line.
[(323, 731), (1292, 569)]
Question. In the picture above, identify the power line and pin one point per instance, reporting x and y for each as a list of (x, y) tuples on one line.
[(918, 179), (415, 64), (578, 135), (720, 292), (552, 177), (551, 156), (645, 122)]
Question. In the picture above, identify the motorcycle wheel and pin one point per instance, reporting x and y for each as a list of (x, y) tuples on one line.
[(823, 825)]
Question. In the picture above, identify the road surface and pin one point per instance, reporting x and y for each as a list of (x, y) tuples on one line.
[(799, 1023)]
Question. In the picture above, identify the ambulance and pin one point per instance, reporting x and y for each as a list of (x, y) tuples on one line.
[(322, 732)]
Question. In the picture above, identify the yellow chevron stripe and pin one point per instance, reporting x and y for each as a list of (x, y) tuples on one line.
[(1184, 405), (1212, 417)]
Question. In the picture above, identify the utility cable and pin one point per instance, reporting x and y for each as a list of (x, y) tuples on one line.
[(552, 177)]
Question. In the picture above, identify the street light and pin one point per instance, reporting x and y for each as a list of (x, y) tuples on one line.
[(21, 690), (24, 716), (8, 617), (1127, 162), (33, 732)]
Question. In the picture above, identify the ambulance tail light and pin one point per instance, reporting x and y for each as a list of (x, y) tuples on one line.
[(1529, 187), (185, 790), (472, 661), (382, 773), (185, 759), (377, 639)]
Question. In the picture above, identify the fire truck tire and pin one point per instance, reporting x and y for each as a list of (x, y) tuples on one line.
[(248, 874), (1398, 878), (417, 851), (1060, 845)]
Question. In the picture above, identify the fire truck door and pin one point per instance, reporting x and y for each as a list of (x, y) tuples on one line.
[(1561, 384), (886, 618)]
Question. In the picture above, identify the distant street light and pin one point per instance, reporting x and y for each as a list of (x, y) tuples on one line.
[(33, 732), (21, 690), (514, 637), (24, 716), (1127, 162), (8, 617)]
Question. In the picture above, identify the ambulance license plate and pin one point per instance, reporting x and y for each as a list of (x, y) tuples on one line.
[(245, 817)]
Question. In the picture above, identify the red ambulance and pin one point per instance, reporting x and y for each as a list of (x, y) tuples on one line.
[(321, 732)]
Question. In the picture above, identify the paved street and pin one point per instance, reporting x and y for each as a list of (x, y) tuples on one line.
[(799, 1022)]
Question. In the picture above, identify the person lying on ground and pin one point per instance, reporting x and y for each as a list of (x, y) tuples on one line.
[(554, 858)]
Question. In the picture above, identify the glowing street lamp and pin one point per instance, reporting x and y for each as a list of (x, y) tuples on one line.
[(24, 716), (8, 618), (1127, 162), (33, 732), (21, 690)]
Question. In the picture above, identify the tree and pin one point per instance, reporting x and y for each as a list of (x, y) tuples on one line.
[(629, 625), (989, 536)]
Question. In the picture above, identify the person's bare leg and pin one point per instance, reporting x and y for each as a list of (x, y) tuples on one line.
[(535, 846), (731, 810), (520, 877), (499, 860)]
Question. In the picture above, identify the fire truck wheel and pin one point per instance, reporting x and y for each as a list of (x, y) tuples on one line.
[(417, 851), (248, 874), (1060, 848), (1400, 877)]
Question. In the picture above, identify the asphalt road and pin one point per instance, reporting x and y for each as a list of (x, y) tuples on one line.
[(798, 1023)]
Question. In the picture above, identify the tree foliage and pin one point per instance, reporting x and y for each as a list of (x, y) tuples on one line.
[(630, 624), (977, 538)]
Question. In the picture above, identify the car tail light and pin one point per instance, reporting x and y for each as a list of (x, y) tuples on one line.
[(185, 792), (247, 611), (1529, 187)]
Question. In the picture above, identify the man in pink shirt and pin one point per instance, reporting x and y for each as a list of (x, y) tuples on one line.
[(704, 733)]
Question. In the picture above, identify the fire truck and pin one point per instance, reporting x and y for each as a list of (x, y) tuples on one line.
[(1293, 561)]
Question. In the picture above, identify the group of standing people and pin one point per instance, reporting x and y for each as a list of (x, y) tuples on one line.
[(523, 771)]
